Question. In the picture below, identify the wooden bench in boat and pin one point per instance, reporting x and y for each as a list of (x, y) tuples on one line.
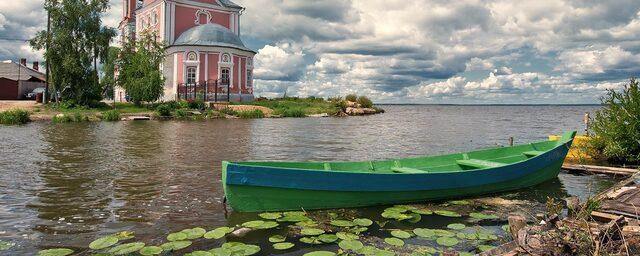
[(532, 153), (407, 170), (480, 164)]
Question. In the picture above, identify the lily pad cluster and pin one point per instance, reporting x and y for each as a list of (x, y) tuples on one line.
[(405, 212)]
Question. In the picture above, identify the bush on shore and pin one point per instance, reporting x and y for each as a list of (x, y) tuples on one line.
[(14, 116), (111, 115), (365, 102), (164, 109), (616, 127), (351, 97), (70, 117), (256, 113), (294, 112)]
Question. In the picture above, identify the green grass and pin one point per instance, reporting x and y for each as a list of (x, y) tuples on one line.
[(111, 115), (15, 116), (296, 107), (256, 113)]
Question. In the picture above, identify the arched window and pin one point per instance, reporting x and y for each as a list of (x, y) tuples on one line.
[(191, 75), (249, 78)]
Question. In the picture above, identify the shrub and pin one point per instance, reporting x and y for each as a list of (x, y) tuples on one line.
[(180, 113), (196, 104), (256, 113), (111, 115), (213, 114), (79, 117), (164, 109), (172, 104), (365, 102), (334, 99), (229, 111), (62, 118), (351, 97), (183, 104), (616, 127), (293, 112), (14, 116)]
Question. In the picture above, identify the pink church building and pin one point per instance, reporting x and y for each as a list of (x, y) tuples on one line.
[(205, 57)]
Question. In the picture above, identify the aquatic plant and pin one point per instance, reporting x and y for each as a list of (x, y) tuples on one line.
[(456, 226), (175, 245), (352, 245), (103, 242), (482, 216), (14, 116), (180, 113), (447, 213), (401, 234), (320, 253), (394, 241), (447, 241), (282, 246), (311, 231), (256, 113), (4, 245), (150, 250), (111, 115), (127, 248), (55, 252)]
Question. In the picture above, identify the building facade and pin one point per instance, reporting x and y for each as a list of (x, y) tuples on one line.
[(17, 79), (204, 54)]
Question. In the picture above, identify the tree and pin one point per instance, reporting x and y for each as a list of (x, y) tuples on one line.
[(616, 128), (139, 68), (78, 41), (108, 81)]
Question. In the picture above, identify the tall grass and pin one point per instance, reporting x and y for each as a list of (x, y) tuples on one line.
[(14, 116), (256, 113), (111, 115)]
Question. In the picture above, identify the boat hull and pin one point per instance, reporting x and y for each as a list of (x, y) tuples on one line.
[(256, 189)]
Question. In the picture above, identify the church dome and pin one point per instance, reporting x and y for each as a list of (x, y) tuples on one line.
[(211, 35)]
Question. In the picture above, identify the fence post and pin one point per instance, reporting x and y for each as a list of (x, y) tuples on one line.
[(206, 90), (228, 92), (215, 94)]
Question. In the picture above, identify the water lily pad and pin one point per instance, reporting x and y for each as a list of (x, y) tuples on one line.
[(426, 250), (215, 234), (466, 254), (484, 248), (151, 250), (358, 230), (124, 235), (342, 223), (444, 233), (447, 241), (178, 236), (199, 253), (461, 235), (485, 236), (347, 236), (194, 233), (307, 224), (403, 207), (320, 253), (482, 216), (310, 240), (277, 238), (471, 236), (328, 238), (350, 245), (447, 213), (401, 234), (293, 218), (270, 215), (103, 242), (282, 246), (253, 223), (238, 248), (364, 222), (294, 213), (415, 218), (456, 226), (395, 215), (311, 231), (55, 252), (220, 252), (394, 241), (424, 232), (175, 245), (267, 225), (4, 245), (126, 248), (422, 211)]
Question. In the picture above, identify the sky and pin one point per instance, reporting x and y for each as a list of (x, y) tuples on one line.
[(423, 51)]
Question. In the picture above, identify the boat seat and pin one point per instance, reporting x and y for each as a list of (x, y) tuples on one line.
[(480, 164), (407, 170), (533, 153)]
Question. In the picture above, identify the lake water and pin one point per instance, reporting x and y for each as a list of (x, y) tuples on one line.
[(63, 185)]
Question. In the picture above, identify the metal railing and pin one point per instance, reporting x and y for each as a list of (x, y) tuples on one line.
[(211, 90)]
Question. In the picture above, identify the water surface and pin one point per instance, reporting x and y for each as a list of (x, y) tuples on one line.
[(66, 184)]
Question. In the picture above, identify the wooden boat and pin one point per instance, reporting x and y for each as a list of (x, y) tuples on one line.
[(277, 186)]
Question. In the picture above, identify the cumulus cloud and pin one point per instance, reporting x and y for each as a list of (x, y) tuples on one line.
[(279, 63), (600, 64)]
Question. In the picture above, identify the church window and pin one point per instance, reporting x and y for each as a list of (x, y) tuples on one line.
[(224, 75), (191, 75)]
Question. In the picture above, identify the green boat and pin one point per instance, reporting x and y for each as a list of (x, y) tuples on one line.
[(276, 186)]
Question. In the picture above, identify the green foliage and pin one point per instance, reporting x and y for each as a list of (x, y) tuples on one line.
[(256, 113), (351, 97), (14, 116), (180, 113), (196, 104), (140, 73), (164, 109), (229, 111), (292, 112), (616, 128), (75, 116), (295, 107), (111, 115), (108, 81), (365, 102), (77, 42), (183, 104)]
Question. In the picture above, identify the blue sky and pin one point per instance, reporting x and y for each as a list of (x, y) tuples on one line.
[(426, 51)]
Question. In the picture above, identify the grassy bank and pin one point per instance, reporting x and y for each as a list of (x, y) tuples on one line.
[(301, 107)]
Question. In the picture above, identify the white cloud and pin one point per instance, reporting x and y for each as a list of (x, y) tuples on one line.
[(279, 63), (599, 64)]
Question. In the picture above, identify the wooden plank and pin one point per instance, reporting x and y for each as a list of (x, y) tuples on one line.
[(601, 216), (599, 169)]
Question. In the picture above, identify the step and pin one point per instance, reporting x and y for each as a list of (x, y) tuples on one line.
[(480, 164)]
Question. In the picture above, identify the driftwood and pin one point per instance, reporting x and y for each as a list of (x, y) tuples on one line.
[(599, 169)]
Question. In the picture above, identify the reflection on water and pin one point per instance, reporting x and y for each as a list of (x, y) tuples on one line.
[(66, 184)]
